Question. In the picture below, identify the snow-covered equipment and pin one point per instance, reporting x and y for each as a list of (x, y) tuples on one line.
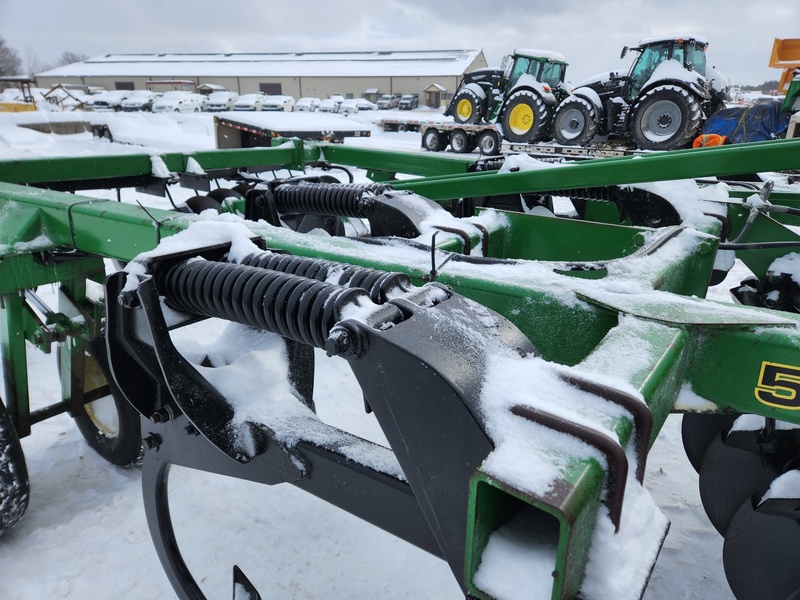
[(520, 96), (660, 104), (519, 363)]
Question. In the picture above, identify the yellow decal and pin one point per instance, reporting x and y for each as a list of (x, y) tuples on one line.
[(778, 386)]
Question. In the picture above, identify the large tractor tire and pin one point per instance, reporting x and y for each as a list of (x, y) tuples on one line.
[(14, 484), (468, 107), (575, 122), (665, 118), (524, 117)]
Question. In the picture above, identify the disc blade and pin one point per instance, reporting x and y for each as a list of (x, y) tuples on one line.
[(729, 477), (761, 555), (698, 431)]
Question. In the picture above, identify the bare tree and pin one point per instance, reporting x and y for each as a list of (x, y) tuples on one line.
[(67, 58), (33, 64), (10, 64)]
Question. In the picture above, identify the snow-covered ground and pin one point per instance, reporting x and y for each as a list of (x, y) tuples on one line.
[(85, 536)]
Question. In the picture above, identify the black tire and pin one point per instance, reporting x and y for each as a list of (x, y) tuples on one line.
[(665, 118), (524, 117), (110, 425), (489, 143), (434, 140), (462, 142), (467, 107), (14, 484), (575, 122), (402, 127)]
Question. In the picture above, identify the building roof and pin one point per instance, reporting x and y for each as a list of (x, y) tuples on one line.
[(295, 64)]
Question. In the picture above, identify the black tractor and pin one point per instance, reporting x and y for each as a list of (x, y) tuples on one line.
[(660, 104)]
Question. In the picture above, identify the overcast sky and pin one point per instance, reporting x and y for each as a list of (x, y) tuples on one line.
[(589, 34)]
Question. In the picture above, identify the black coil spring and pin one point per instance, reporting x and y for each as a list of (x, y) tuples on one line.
[(293, 306), (333, 199), (378, 284)]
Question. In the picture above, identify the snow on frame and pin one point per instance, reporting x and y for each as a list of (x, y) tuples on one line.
[(87, 528)]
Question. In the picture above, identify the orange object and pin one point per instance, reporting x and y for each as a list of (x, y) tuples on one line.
[(785, 55), (709, 139)]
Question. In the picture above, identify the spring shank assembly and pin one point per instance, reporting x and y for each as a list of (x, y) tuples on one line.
[(190, 423)]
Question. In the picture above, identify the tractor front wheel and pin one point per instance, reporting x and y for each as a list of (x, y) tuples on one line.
[(665, 118), (467, 107), (524, 117), (574, 122)]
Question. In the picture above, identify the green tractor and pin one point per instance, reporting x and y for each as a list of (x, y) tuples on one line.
[(520, 96)]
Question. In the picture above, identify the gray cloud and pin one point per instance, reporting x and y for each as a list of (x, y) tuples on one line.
[(589, 34)]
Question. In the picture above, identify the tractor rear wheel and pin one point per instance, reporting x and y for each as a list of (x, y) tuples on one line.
[(14, 484), (665, 118), (468, 107), (524, 117), (574, 122)]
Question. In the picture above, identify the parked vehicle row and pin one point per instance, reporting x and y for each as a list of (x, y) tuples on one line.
[(219, 101)]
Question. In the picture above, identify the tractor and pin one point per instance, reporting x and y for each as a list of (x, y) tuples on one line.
[(660, 104), (520, 96)]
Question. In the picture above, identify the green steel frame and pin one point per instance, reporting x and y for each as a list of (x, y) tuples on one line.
[(550, 284)]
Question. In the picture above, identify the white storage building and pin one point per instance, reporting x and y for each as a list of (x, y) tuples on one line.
[(298, 74)]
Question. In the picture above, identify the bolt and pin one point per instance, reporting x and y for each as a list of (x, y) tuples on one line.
[(128, 299), (152, 441), (162, 415), (338, 343)]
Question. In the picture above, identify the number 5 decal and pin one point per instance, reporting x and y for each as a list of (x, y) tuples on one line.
[(779, 386)]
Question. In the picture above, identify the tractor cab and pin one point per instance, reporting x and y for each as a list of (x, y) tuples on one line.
[(546, 69), (690, 53)]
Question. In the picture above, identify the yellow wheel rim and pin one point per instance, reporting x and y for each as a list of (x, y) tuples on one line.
[(520, 121), (464, 109)]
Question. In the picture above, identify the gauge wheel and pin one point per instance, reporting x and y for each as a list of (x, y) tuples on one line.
[(467, 107), (433, 140), (14, 484), (666, 117), (462, 142), (574, 122), (110, 425), (524, 117)]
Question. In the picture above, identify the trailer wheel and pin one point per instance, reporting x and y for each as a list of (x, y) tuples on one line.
[(110, 425), (489, 143), (434, 140), (461, 142), (666, 117), (468, 107), (524, 117), (574, 122), (14, 484)]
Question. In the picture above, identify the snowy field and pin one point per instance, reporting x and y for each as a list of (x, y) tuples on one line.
[(85, 535)]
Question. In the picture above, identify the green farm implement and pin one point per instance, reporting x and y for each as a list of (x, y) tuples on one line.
[(519, 358)]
